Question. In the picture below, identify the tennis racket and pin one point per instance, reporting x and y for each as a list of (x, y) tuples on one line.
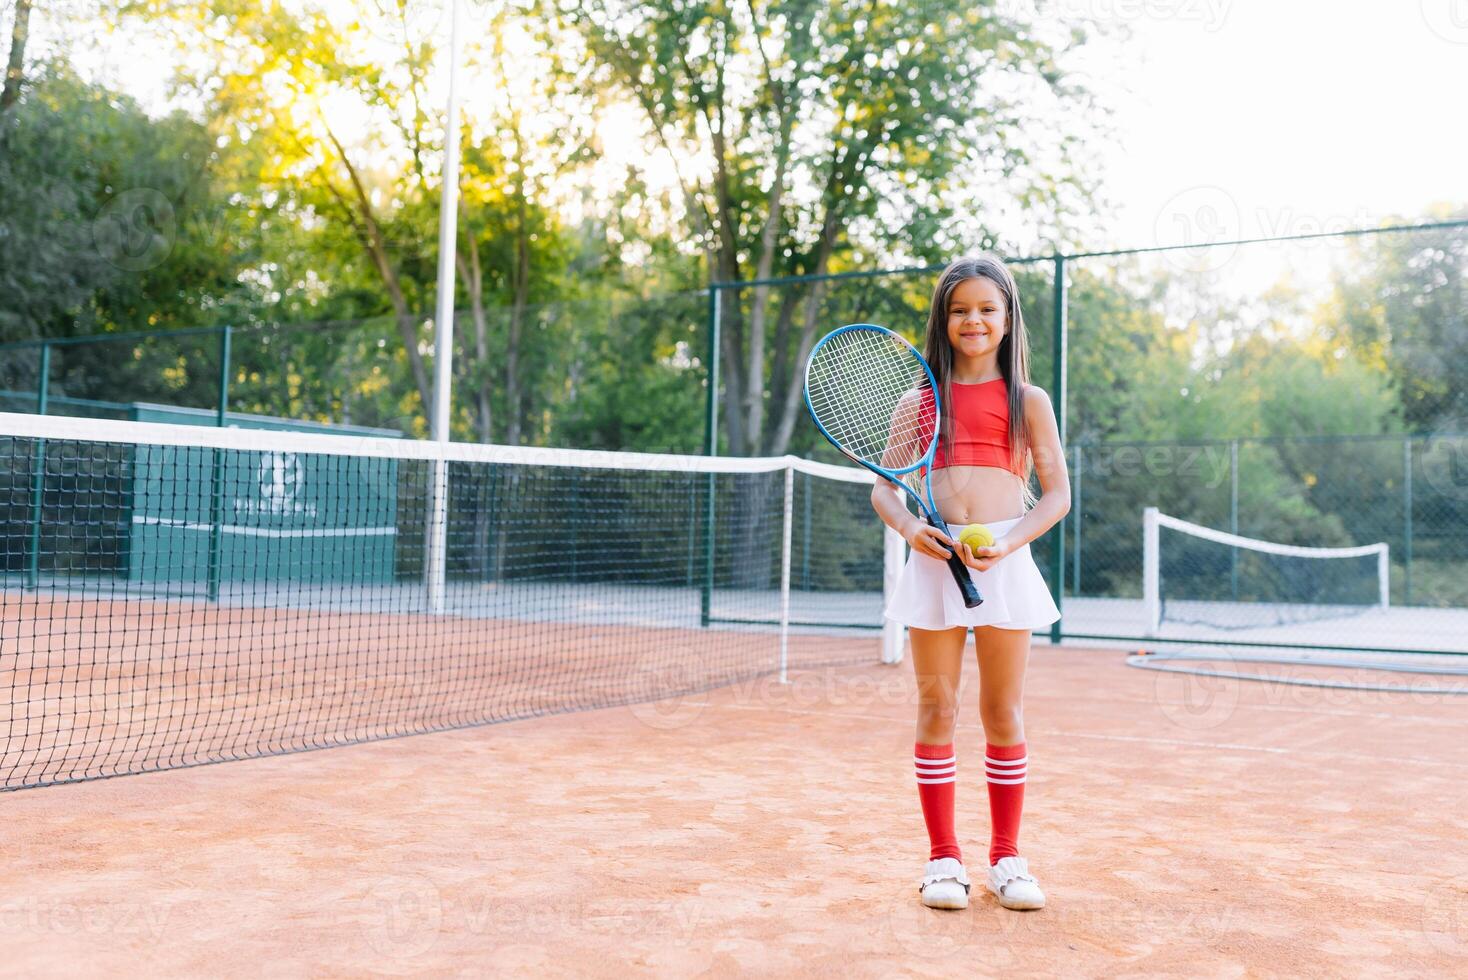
[(874, 397)]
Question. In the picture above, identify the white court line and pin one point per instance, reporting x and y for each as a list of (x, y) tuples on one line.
[(265, 532)]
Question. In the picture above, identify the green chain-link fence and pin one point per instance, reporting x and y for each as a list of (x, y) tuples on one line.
[(1308, 391)]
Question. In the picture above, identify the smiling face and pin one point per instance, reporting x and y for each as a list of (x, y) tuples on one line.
[(977, 319)]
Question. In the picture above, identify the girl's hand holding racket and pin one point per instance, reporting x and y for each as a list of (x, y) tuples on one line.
[(928, 540), (983, 559)]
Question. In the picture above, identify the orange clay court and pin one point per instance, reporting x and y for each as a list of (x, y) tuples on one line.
[(1182, 826)]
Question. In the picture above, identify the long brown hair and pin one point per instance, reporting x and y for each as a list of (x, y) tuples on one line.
[(1014, 350)]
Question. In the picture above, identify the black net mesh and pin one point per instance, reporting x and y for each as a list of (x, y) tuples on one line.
[(168, 604)]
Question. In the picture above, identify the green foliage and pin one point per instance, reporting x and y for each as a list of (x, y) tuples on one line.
[(105, 215), (638, 377), (1402, 302), (812, 137)]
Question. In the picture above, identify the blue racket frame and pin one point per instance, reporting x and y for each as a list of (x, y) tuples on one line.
[(929, 508)]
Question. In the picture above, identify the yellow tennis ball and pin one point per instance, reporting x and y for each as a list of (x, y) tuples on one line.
[(976, 536)]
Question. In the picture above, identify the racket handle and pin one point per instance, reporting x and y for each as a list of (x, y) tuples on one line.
[(966, 587)]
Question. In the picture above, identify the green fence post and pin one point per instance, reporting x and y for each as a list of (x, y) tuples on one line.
[(711, 448), (1057, 395), (38, 473), (1233, 514), (575, 538), (491, 540), (1075, 520), (216, 523), (692, 531), (1407, 519)]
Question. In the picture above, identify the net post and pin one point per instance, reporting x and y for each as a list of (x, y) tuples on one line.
[(892, 560), (1058, 398), (692, 530), (38, 473), (216, 502), (575, 542), (435, 556), (1151, 579), (43, 381), (1383, 576), (436, 552), (221, 412), (710, 448), (785, 547), (706, 585)]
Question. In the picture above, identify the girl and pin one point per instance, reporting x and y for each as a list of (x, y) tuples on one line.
[(994, 424)]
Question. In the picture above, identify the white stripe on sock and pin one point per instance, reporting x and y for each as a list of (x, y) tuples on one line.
[(935, 762), (1006, 762), (951, 770), (947, 779), (1006, 782)]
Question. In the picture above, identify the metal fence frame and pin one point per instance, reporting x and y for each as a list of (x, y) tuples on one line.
[(1060, 330), (1058, 262)]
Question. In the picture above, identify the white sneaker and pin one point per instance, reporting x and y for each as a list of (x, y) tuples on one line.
[(945, 885), (1011, 882)]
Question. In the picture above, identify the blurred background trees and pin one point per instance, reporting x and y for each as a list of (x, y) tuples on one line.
[(618, 157)]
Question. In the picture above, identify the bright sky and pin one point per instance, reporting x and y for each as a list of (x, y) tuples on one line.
[(1233, 117), (1268, 117)]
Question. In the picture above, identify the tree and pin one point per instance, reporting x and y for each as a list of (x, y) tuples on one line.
[(117, 229), (15, 66), (284, 75), (1401, 302), (290, 79), (514, 247), (809, 135)]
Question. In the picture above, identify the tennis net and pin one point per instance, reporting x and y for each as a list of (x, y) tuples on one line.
[(176, 595), (1203, 576)]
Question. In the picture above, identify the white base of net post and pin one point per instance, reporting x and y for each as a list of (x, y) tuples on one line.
[(786, 535), (892, 562)]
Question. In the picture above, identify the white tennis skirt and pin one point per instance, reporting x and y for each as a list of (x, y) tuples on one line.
[(1015, 594)]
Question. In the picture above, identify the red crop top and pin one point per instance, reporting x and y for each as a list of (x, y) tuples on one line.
[(980, 426)]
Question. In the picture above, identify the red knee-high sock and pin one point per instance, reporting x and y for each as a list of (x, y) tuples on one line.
[(1005, 766), (936, 768)]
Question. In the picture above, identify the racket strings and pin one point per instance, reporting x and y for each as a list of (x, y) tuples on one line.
[(870, 393)]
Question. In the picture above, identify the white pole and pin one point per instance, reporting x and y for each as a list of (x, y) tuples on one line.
[(443, 338), (1151, 577), (892, 562), (1384, 575), (785, 571)]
